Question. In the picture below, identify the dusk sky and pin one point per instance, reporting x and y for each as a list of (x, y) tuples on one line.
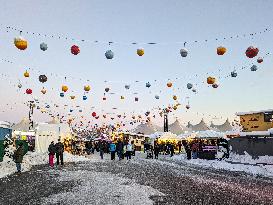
[(166, 22)]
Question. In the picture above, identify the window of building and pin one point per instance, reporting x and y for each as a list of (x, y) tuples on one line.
[(268, 117)]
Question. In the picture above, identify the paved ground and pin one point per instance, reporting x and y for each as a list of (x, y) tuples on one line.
[(160, 181)]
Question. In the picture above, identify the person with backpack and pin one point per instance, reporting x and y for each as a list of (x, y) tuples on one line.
[(51, 150), (119, 149), (59, 149), (18, 157)]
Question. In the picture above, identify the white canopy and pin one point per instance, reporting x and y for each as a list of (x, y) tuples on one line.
[(169, 136), (209, 134), (178, 128)]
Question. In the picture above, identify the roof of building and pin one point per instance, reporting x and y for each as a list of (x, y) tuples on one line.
[(178, 128), (253, 112)]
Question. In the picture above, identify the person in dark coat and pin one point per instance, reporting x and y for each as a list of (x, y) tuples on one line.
[(101, 149), (179, 147), (171, 149), (119, 149), (51, 150), (59, 149), (18, 156), (156, 150), (187, 149)]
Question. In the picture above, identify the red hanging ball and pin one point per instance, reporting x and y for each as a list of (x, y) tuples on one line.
[(94, 114), (28, 91), (252, 51), (75, 50)]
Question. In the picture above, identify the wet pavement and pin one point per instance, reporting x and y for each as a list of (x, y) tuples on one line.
[(179, 183)]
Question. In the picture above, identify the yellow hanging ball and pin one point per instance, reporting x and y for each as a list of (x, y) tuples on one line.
[(26, 74), (174, 97), (140, 51)]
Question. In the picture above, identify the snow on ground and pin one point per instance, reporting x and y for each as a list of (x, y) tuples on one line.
[(8, 167), (101, 188), (234, 164)]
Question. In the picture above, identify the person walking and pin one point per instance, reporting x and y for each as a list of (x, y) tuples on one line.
[(18, 157), (101, 149), (187, 149), (194, 149), (112, 149), (179, 147), (59, 149), (156, 150), (119, 149), (51, 150), (171, 149), (129, 150)]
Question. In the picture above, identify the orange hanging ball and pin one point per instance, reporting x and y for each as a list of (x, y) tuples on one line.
[(211, 80), (20, 43), (64, 88), (174, 97), (169, 84), (221, 50)]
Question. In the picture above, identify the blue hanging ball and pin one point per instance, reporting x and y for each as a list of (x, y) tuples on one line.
[(62, 95), (71, 110), (109, 54), (157, 97), (47, 106), (254, 68), (84, 97), (43, 46), (148, 85), (189, 86)]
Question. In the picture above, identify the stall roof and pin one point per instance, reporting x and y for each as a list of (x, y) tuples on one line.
[(253, 112)]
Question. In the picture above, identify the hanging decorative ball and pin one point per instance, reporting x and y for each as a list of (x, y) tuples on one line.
[(47, 106), (20, 43), (107, 90), (62, 95), (136, 99), (127, 87), (75, 50), (80, 110), (234, 74), (122, 97), (214, 85), (104, 98), (109, 54), (169, 84), (72, 97), (43, 91), (174, 97), (254, 68), (20, 86), (28, 91), (104, 116), (183, 52), (148, 85), (94, 114), (84, 97), (87, 88), (251, 51), (140, 52), (260, 60), (188, 107), (42, 78), (157, 97), (211, 80), (26, 74), (194, 90), (43, 46), (64, 88), (175, 107), (221, 50), (189, 86)]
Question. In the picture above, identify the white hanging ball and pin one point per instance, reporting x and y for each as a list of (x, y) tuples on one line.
[(183, 52)]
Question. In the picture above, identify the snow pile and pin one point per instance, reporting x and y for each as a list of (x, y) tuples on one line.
[(8, 166), (234, 164), (101, 188), (209, 134)]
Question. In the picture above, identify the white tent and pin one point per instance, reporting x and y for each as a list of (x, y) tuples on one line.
[(201, 126), (146, 129), (22, 126), (46, 133), (223, 127), (169, 136), (178, 128), (208, 134)]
